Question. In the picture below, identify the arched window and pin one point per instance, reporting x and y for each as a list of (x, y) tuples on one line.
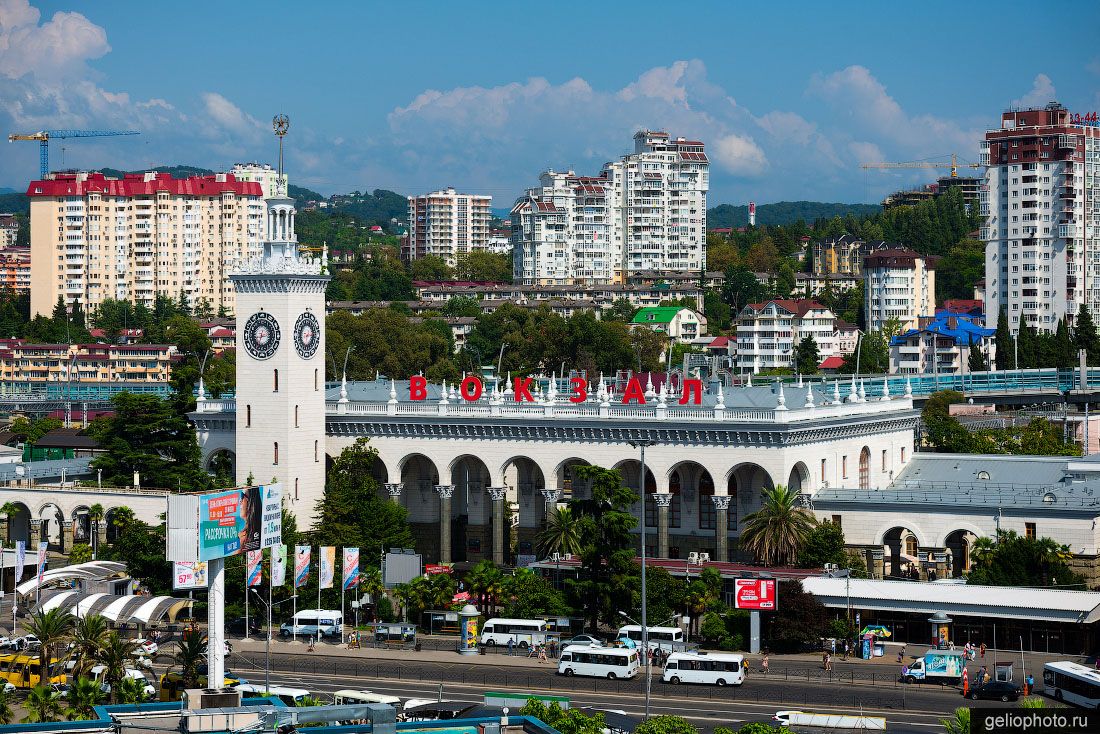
[(911, 547), (315, 453), (315, 382), (276, 457), (295, 416), (731, 515), (865, 468), (248, 416), (708, 515), (276, 380), (295, 487), (674, 486)]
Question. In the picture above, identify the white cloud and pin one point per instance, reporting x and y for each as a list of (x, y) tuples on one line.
[(67, 40), (1042, 91), (228, 115), (740, 155)]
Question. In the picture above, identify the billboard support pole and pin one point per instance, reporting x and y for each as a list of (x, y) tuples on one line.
[(215, 641), (754, 632)]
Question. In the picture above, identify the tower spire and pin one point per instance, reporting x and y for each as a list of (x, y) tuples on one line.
[(281, 123)]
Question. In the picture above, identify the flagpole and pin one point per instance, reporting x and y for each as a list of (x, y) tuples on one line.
[(246, 579), (343, 580)]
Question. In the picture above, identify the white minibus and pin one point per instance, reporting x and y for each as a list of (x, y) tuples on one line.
[(1073, 683), (599, 662), (289, 696), (668, 639), (348, 696), (317, 623), (715, 668), (523, 632)]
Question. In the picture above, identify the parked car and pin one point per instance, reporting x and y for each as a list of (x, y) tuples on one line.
[(5, 641), (147, 646), (61, 689), (582, 640), (26, 642), (236, 626), (996, 690)]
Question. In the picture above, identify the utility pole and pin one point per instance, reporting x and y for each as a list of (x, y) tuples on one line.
[(641, 444)]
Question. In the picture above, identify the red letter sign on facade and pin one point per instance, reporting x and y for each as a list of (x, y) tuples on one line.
[(470, 388), (695, 388), (634, 392), (580, 390), (522, 388), (418, 387), (754, 594)]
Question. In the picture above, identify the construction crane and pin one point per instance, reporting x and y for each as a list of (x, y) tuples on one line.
[(44, 136), (953, 165)]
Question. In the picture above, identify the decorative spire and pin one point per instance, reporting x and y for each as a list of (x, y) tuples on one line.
[(809, 397), (508, 385), (454, 393), (853, 396), (749, 382), (662, 394), (721, 404), (344, 387), (201, 397), (836, 392), (552, 391), (782, 399), (908, 388), (393, 392), (885, 387), (800, 380), (443, 394), (862, 391), (605, 397), (649, 394)]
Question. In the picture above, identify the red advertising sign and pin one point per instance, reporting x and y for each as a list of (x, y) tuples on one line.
[(433, 568), (756, 594)]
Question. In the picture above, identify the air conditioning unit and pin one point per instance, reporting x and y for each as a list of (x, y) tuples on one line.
[(693, 557), (555, 557), (704, 557), (567, 557)]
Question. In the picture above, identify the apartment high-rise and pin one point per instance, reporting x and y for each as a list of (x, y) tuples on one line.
[(147, 234), (898, 284), (448, 224), (1042, 209), (646, 211), (262, 173)]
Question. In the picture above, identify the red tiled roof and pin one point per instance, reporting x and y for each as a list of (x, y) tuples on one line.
[(221, 331), (831, 363), (720, 341), (688, 155), (589, 189), (134, 184), (962, 304), (546, 206), (799, 307)]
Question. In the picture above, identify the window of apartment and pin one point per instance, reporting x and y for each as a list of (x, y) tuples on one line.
[(836, 520), (316, 452), (295, 416), (276, 380), (884, 459), (823, 478), (276, 454), (248, 416), (1029, 530), (295, 487), (844, 467), (902, 454), (315, 383)]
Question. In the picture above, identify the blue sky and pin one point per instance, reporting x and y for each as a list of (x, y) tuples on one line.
[(412, 96)]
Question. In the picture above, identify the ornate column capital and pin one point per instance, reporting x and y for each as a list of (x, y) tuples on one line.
[(551, 496), (497, 494), (446, 491), (394, 488), (721, 501), (663, 499)]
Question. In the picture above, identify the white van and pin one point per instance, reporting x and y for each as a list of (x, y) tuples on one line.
[(289, 696), (522, 632), (715, 668), (98, 673), (598, 662), (348, 696), (668, 639), (318, 623)]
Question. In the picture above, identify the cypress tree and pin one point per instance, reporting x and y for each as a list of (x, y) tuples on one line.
[(1028, 347), (1062, 348), (976, 359), (1085, 336), (1006, 359)]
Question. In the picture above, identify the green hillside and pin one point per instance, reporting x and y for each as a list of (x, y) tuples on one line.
[(784, 212)]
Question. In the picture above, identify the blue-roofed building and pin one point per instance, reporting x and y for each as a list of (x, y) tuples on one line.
[(941, 346)]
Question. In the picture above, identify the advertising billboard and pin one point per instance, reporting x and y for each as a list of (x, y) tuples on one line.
[(755, 594), (188, 575), (239, 520)]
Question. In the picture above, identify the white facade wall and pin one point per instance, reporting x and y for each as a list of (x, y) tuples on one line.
[(448, 224), (262, 173), (766, 338)]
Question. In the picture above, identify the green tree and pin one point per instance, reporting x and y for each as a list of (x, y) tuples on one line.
[(481, 265), (1084, 335), (84, 696), (665, 594), (431, 267), (824, 544), (188, 656), (145, 435), (806, 355), (605, 522), (975, 360), (1006, 346), (6, 712), (141, 547), (666, 724), (9, 510), (485, 582), (53, 628), (528, 595), (96, 514), (1063, 355), (620, 310), (116, 654), (1015, 560), (43, 704), (742, 288), (873, 353), (80, 553), (571, 721), (562, 534), (959, 723), (775, 533), (89, 635), (462, 306), (800, 619), (130, 690), (350, 513)]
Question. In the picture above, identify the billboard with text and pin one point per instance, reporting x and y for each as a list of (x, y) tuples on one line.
[(755, 594)]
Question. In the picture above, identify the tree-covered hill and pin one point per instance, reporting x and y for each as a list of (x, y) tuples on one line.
[(784, 212)]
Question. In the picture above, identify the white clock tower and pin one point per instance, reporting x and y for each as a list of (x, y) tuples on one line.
[(281, 362)]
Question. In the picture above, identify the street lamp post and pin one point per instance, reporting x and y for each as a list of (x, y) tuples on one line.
[(640, 444), (267, 644)]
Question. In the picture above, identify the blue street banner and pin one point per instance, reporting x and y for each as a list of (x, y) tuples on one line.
[(301, 566), (20, 559), (254, 559), (326, 559), (278, 565), (351, 568), (42, 545)]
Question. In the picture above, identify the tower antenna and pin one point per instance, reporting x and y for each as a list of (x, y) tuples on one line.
[(281, 123)]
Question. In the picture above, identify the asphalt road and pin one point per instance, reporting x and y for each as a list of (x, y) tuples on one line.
[(909, 709)]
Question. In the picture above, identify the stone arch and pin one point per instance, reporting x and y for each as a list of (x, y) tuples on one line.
[(222, 460), (470, 508), (696, 487), (419, 476), (865, 468), (570, 486), (19, 523), (746, 483), (799, 478), (900, 551), (51, 525), (111, 530), (630, 469), (959, 544), (82, 525), (525, 480), (381, 475)]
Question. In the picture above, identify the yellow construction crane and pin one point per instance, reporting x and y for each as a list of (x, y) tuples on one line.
[(953, 165)]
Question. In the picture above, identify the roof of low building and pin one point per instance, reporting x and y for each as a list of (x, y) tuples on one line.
[(659, 314), (67, 438), (831, 363), (960, 329)]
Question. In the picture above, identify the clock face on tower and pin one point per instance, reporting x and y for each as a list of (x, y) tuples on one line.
[(307, 335), (261, 335)]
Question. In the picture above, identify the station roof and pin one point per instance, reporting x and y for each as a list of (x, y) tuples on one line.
[(92, 570), (119, 609), (1004, 602)]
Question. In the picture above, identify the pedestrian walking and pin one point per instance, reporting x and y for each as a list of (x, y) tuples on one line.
[(1029, 684), (828, 663), (764, 664), (981, 649), (847, 649), (542, 654), (511, 646), (966, 683), (312, 644), (825, 659)]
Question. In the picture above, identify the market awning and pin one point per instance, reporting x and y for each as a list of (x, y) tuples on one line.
[(118, 609)]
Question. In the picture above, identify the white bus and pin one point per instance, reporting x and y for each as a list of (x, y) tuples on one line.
[(599, 662), (669, 639), (1072, 683), (348, 696), (715, 668), (523, 632), (319, 623), (286, 694)]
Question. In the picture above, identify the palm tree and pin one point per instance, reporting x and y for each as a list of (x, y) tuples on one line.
[(89, 636), (189, 654), (776, 531), (6, 714), (115, 654), (482, 580), (982, 549), (130, 690), (52, 628), (9, 510), (562, 534), (959, 723), (84, 695), (370, 582), (96, 513), (43, 704)]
